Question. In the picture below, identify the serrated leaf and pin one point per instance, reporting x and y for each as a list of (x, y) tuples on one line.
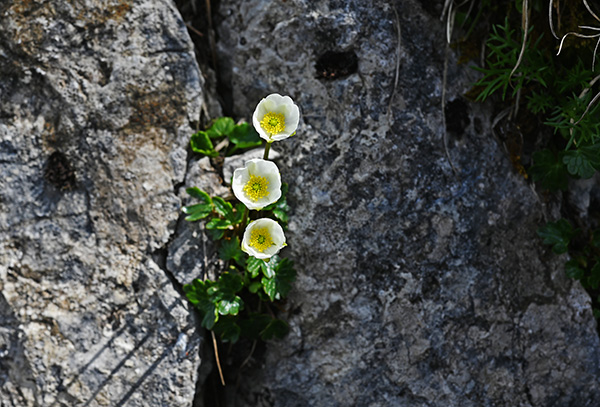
[(228, 329), (253, 266), (549, 170), (210, 316), (578, 164), (268, 267), (230, 282), (221, 127), (200, 143), (278, 286), (558, 234), (594, 278), (573, 270), (230, 307), (276, 328), (215, 234), (224, 209), (231, 250)]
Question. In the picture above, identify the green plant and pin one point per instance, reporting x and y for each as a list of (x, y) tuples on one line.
[(237, 302), (239, 136), (523, 71)]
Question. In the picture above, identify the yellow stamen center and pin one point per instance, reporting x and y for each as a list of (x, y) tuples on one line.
[(260, 239), (273, 123), (256, 187)]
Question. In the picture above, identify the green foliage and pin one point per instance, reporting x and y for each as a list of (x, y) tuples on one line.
[(280, 208), (200, 210), (240, 136), (558, 234), (225, 305), (504, 48), (549, 170)]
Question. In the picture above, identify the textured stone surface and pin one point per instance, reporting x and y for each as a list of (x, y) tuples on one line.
[(95, 111), (417, 286)]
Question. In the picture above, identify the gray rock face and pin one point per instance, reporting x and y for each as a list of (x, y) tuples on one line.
[(95, 111), (417, 286)]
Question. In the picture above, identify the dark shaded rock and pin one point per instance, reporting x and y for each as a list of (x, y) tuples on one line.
[(417, 285)]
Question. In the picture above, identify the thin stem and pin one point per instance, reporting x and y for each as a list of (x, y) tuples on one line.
[(267, 148), (244, 221), (217, 357)]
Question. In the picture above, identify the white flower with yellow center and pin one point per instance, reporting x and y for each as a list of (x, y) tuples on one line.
[(276, 117), (258, 184), (263, 238)]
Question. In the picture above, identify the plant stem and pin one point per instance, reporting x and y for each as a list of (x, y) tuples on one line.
[(267, 148)]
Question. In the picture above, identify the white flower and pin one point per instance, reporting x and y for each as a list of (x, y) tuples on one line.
[(276, 117), (258, 184), (263, 238)]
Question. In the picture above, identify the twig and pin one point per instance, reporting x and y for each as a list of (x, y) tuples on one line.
[(190, 27), (585, 3), (525, 26), (550, 19), (217, 357)]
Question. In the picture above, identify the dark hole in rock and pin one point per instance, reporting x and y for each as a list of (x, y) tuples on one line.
[(457, 116), (334, 65), (59, 172)]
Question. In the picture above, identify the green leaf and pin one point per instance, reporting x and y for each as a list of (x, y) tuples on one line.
[(230, 282), (573, 270), (268, 267), (276, 328), (200, 143), (230, 307), (200, 210), (280, 208), (253, 266), (558, 234), (225, 209), (218, 223), (228, 329), (210, 317), (254, 287), (215, 234), (578, 164), (594, 278), (243, 136), (254, 325), (221, 127), (197, 193), (278, 286), (549, 170), (231, 250)]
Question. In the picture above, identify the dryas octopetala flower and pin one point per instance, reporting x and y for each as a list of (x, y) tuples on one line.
[(263, 238), (276, 117), (258, 184)]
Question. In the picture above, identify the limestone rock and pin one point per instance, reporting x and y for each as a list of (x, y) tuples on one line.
[(417, 285), (95, 110)]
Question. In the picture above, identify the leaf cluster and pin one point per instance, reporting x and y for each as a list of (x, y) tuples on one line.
[(240, 136), (504, 47), (230, 306), (220, 302), (584, 264)]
